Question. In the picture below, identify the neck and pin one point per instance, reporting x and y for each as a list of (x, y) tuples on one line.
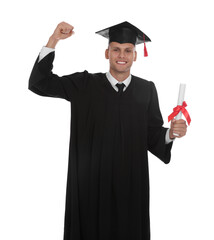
[(120, 76)]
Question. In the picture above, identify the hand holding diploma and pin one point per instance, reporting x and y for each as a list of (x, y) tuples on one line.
[(178, 126)]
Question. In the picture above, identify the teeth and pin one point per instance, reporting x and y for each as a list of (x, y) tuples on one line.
[(121, 62)]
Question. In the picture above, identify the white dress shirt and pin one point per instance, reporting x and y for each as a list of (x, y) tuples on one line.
[(113, 81), (45, 51)]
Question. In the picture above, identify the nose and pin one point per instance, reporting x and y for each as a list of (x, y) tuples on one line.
[(122, 54)]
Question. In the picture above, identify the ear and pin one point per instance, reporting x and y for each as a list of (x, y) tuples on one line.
[(107, 53), (135, 55)]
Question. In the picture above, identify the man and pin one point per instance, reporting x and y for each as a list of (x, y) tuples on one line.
[(115, 121)]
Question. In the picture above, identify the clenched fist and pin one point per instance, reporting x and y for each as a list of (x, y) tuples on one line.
[(62, 31)]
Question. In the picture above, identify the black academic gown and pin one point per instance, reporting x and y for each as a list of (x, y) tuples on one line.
[(107, 195)]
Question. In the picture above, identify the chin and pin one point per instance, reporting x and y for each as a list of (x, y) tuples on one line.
[(124, 67), (123, 70)]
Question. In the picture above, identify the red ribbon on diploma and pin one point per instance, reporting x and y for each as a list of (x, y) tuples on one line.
[(179, 108)]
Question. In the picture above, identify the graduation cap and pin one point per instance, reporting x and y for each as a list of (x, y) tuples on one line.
[(125, 32)]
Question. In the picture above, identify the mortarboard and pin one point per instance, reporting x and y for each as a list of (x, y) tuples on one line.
[(125, 32)]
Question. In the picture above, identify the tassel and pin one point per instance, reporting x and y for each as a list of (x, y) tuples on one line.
[(145, 50)]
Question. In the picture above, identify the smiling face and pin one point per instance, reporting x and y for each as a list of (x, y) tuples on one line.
[(121, 58)]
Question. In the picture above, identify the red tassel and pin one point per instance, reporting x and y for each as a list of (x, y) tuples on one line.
[(145, 50)]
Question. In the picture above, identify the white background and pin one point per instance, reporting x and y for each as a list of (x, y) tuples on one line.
[(34, 130)]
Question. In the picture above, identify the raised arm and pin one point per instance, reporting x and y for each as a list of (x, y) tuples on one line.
[(45, 83)]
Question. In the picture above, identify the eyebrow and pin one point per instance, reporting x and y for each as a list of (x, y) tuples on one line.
[(128, 48)]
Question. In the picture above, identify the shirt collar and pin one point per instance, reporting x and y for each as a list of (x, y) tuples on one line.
[(114, 81)]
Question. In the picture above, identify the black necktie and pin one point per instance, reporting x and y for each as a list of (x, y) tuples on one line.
[(120, 87)]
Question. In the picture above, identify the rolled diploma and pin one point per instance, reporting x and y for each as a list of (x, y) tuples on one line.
[(180, 101)]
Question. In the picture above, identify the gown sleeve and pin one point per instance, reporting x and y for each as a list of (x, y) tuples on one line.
[(44, 82), (156, 131)]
